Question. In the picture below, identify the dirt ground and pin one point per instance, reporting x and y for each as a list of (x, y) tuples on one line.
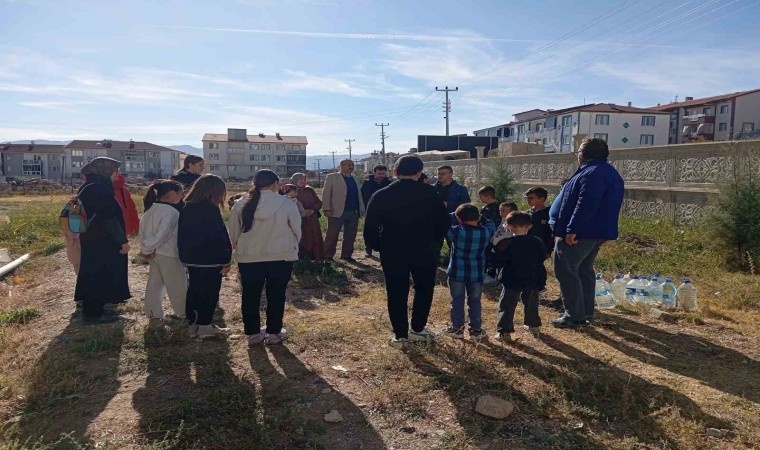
[(630, 381)]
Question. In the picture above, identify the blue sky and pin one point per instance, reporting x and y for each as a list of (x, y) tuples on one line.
[(169, 71)]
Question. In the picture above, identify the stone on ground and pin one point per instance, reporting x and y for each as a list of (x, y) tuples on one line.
[(333, 417), (494, 407), (662, 315)]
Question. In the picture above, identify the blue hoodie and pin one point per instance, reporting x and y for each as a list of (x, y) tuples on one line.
[(591, 202)]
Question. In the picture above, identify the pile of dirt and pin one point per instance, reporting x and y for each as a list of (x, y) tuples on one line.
[(33, 185)]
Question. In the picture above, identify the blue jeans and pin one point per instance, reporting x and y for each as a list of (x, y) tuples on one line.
[(474, 290), (574, 268)]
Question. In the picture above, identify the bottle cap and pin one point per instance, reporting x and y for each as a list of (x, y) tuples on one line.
[(686, 280), (668, 280), (618, 276)]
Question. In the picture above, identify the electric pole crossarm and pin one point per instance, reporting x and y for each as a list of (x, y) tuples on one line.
[(349, 147), (382, 137)]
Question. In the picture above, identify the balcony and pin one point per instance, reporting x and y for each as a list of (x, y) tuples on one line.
[(697, 119)]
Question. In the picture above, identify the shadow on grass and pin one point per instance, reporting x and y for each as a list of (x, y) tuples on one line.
[(607, 398), (75, 379), (722, 368)]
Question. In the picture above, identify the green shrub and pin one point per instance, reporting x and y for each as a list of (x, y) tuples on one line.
[(500, 176), (18, 316), (733, 222)]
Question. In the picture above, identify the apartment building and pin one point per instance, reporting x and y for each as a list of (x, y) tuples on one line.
[(32, 161), (238, 155), (719, 118), (376, 158), (138, 159), (562, 130)]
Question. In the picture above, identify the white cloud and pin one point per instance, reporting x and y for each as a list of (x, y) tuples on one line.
[(304, 81)]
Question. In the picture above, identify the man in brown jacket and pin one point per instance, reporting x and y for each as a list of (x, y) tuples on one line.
[(342, 204)]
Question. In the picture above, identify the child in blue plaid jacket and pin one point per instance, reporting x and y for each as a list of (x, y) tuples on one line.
[(469, 241)]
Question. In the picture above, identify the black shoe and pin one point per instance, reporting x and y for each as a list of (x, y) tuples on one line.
[(101, 319), (368, 255), (347, 258), (566, 322)]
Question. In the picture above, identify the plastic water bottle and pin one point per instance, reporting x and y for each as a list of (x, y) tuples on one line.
[(632, 290), (603, 296), (687, 296), (627, 278), (669, 293), (655, 291), (643, 290), (618, 288)]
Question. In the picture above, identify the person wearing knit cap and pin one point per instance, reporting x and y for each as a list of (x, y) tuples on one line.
[(102, 274), (312, 245)]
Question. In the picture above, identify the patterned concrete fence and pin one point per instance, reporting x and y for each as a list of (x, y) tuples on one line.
[(674, 181)]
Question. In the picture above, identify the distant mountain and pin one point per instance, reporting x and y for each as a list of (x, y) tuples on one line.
[(41, 142), (325, 161), (189, 149)]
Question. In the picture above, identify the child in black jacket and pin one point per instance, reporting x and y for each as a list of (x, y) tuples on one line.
[(205, 249), (540, 228)]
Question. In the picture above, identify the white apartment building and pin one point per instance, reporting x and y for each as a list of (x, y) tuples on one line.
[(138, 159), (376, 158), (562, 130), (719, 118), (237, 155)]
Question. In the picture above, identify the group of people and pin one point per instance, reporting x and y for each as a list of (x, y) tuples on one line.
[(189, 247)]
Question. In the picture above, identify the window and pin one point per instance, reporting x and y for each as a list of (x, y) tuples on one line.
[(566, 140), (254, 168), (213, 167), (135, 166), (280, 147), (77, 153), (601, 119), (265, 146), (602, 136), (280, 158), (212, 145), (723, 126), (154, 166), (32, 167), (253, 157), (567, 121), (706, 111), (748, 126), (724, 109), (647, 121), (646, 139), (134, 155), (213, 156), (296, 147), (538, 128), (76, 164), (231, 168), (254, 147), (521, 129), (266, 158), (154, 155), (54, 168)]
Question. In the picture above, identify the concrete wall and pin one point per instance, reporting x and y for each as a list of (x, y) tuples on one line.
[(674, 181)]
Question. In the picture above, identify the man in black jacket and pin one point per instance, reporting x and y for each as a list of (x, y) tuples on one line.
[(372, 184), (192, 170), (405, 222)]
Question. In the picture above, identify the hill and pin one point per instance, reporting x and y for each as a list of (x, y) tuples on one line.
[(189, 149)]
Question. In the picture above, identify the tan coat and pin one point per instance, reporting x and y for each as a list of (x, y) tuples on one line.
[(334, 195)]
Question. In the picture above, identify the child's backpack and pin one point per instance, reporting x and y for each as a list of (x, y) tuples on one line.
[(73, 217)]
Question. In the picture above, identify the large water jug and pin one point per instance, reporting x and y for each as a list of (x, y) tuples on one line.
[(632, 290), (655, 292), (627, 277), (618, 288), (643, 290), (603, 296), (669, 293), (687, 296)]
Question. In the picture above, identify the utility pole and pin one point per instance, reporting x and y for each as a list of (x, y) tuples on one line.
[(319, 175), (447, 104), (383, 136), (349, 147), (333, 155)]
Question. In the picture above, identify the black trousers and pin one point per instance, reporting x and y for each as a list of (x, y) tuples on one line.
[(397, 287), (254, 277), (508, 303), (203, 288)]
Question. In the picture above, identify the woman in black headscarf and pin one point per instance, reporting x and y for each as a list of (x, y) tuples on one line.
[(102, 275)]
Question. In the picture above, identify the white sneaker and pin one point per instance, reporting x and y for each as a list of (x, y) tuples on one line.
[(423, 336), (398, 343), (212, 331)]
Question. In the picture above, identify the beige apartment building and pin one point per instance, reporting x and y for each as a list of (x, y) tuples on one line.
[(238, 155), (32, 161), (138, 159), (719, 118)]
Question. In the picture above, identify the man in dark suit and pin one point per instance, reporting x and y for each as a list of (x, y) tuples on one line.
[(405, 222)]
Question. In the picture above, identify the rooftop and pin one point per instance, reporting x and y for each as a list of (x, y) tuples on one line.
[(115, 145), (704, 100), (27, 148), (257, 138)]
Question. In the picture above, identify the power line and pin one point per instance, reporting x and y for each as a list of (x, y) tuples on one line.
[(447, 104), (382, 138)]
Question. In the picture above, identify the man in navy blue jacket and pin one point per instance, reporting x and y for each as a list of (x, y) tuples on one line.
[(452, 193), (588, 216)]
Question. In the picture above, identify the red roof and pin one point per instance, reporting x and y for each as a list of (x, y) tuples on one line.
[(25, 148), (702, 101), (115, 145)]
